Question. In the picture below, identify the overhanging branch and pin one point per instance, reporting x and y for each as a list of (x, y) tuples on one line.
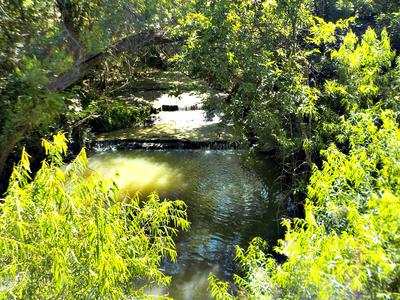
[(131, 44)]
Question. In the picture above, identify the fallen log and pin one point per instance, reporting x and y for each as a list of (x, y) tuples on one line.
[(131, 44)]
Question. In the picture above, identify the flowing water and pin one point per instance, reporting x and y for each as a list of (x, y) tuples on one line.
[(228, 204)]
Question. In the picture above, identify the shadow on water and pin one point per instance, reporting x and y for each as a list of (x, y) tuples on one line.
[(228, 205)]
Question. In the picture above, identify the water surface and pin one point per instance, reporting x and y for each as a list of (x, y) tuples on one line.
[(228, 204)]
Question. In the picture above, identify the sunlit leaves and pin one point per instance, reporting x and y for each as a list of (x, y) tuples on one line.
[(322, 32), (364, 64), (348, 244), (68, 234)]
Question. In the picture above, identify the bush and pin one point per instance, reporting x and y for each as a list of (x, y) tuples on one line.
[(70, 235), (114, 115), (348, 245)]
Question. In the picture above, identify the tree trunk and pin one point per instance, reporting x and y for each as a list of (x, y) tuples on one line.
[(71, 27), (132, 44), (7, 146)]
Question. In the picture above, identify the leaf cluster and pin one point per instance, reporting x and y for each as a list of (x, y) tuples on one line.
[(347, 246), (70, 234)]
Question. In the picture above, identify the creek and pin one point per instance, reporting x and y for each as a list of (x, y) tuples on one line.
[(229, 200), (228, 205)]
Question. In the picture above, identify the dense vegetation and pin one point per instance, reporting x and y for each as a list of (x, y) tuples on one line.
[(67, 234), (318, 80), (347, 246), (291, 72)]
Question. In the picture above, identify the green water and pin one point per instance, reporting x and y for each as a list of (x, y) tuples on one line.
[(228, 204)]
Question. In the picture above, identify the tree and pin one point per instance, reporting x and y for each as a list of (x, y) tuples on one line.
[(289, 86), (48, 46), (30, 53), (69, 234), (251, 50)]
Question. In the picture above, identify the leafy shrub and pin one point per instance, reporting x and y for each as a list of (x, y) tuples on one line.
[(114, 115), (348, 245), (70, 235)]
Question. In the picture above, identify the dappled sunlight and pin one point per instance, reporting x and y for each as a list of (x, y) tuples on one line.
[(184, 101), (179, 116)]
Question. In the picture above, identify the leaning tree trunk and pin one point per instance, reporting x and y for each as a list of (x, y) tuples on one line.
[(131, 44)]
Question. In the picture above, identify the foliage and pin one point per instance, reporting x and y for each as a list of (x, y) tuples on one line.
[(251, 51), (27, 29), (30, 54), (271, 57), (69, 234), (365, 76), (362, 68), (348, 244), (39, 40), (26, 106), (298, 76), (116, 114), (93, 25), (289, 85)]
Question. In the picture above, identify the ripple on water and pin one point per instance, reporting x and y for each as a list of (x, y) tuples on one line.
[(227, 206)]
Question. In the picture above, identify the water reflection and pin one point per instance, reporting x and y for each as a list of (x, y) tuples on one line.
[(136, 173), (227, 205)]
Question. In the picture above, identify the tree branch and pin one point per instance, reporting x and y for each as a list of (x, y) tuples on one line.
[(132, 44)]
